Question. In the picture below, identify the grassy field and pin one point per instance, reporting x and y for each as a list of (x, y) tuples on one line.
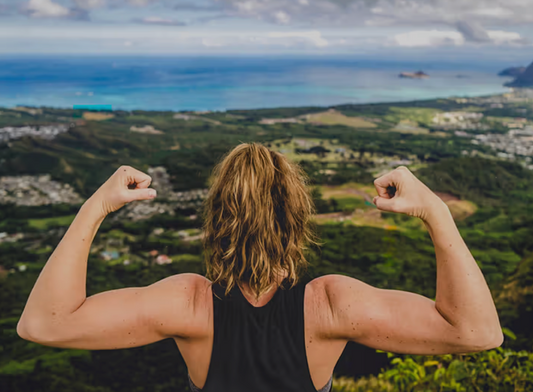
[(409, 126), (95, 116), (45, 223), (461, 209), (349, 189), (289, 149), (332, 117), (422, 116)]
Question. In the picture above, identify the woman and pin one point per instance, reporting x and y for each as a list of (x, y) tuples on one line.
[(245, 330)]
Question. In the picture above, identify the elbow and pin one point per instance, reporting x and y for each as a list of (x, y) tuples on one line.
[(488, 341), (496, 339), (34, 331), (27, 333), (22, 332)]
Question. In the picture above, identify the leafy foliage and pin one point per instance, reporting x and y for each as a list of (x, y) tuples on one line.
[(494, 370)]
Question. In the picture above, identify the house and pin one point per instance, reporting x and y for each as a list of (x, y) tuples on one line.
[(109, 255), (163, 259), (158, 231), (183, 234)]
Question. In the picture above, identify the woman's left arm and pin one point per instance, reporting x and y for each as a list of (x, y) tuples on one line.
[(59, 314)]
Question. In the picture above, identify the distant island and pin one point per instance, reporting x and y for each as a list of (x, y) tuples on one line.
[(415, 75), (524, 79), (512, 71)]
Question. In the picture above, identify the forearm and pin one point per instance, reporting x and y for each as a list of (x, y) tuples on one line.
[(61, 286), (463, 297)]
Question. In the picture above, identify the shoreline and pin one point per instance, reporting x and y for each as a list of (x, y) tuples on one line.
[(511, 90)]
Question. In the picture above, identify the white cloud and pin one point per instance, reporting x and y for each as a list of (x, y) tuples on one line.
[(90, 4), (140, 3), (504, 37), (156, 20), (349, 13), (154, 37), (428, 38), (270, 39), (282, 17), (246, 6), (313, 37), (449, 37), (213, 42), (46, 9), (494, 12)]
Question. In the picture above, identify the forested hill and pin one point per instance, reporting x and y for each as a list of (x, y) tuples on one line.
[(524, 79)]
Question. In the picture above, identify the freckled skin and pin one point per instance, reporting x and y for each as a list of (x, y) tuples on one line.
[(384, 304)]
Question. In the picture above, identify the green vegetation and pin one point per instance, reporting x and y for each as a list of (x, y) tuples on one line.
[(489, 198), (422, 116), (494, 370), (335, 118), (47, 223)]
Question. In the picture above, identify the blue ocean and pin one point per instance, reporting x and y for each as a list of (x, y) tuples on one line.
[(223, 83)]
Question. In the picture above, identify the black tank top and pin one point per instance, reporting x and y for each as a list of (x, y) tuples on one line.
[(259, 349)]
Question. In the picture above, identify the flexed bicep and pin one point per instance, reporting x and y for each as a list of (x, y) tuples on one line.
[(395, 321), (124, 318)]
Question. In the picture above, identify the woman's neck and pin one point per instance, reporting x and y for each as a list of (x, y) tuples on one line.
[(269, 293)]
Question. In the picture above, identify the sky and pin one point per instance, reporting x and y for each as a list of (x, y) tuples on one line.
[(488, 29)]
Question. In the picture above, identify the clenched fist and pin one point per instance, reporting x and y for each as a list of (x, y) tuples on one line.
[(124, 186), (412, 196)]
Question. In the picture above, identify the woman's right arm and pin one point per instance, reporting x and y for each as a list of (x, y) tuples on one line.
[(462, 319)]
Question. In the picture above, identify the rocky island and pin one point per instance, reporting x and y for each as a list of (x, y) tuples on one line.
[(414, 75)]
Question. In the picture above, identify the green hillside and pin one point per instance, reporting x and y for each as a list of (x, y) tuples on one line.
[(492, 197)]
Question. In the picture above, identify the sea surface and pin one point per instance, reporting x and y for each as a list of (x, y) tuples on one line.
[(223, 83)]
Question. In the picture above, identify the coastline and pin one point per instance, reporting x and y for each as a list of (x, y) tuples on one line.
[(198, 84)]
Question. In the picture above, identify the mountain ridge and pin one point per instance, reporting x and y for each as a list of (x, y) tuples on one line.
[(525, 79)]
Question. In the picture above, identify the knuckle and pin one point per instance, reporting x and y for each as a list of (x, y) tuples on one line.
[(402, 171)]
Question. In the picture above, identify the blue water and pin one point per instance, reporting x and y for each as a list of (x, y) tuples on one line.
[(220, 83)]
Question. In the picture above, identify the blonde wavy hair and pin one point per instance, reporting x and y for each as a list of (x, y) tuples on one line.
[(257, 219)]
